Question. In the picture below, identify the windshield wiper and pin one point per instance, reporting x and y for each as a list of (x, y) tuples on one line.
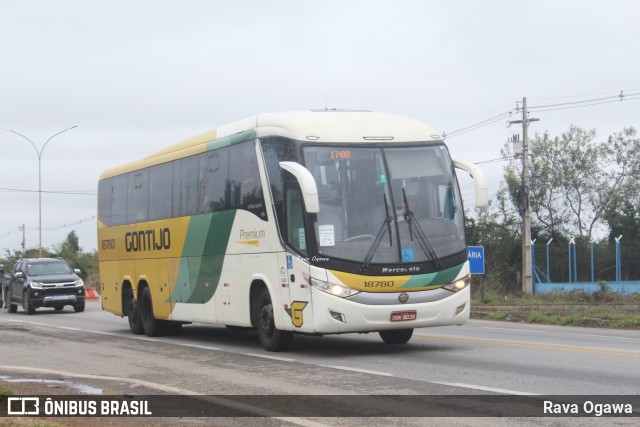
[(422, 238), (378, 239)]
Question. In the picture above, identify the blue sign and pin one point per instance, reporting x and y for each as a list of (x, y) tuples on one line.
[(407, 255), (289, 262), (476, 259)]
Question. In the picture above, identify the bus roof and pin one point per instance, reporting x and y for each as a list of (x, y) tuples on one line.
[(330, 126)]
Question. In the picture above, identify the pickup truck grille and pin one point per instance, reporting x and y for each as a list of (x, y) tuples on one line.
[(58, 285)]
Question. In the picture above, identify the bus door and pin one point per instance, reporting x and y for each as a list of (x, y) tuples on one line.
[(295, 287)]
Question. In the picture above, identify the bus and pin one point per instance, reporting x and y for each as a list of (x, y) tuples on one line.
[(308, 222)]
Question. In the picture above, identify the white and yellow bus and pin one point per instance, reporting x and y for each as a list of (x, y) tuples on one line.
[(310, 222)]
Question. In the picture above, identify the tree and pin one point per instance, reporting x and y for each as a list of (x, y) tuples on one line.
[(70, 251), (576, 180)]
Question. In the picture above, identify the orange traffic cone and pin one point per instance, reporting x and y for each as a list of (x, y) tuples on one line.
[(90, 293)]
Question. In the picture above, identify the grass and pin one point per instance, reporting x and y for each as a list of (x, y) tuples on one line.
[(4, 391), (571, 309)]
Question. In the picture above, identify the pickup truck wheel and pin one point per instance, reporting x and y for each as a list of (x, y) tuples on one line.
[(79, 307), (59, 307), (26, 304), (11, 308)]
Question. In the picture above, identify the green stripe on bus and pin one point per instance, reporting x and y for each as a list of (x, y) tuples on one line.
[(202, 257), (443, 277), (247, 135)]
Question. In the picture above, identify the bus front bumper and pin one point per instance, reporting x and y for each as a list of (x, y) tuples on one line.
[(334, 315)]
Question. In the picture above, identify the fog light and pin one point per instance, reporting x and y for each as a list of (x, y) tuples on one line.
[(338, 316), (35, 294), (460, 309), (79, 291)]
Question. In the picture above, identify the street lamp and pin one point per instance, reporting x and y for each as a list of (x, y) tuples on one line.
[(39, 154)]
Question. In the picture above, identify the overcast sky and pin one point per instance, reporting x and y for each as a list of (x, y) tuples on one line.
[(136, 76)]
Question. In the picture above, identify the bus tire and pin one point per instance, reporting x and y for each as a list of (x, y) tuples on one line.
[(272, 339), (152, 327), (134, 317), (396, 336)]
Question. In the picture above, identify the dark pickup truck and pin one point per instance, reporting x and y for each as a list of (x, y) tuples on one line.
[(43, 282)]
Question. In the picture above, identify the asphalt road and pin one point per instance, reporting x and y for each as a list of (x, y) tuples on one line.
[(97, 353)]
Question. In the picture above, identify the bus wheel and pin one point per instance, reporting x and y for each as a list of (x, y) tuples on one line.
[(396, 336), (134, 317), (152, 327), (271, 338)]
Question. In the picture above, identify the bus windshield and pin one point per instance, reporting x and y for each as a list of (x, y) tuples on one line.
[(387, 204)]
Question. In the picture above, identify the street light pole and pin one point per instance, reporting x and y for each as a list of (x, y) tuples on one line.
[(39, 154)]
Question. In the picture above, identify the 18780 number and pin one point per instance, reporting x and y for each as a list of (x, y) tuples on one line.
[(379, 284)]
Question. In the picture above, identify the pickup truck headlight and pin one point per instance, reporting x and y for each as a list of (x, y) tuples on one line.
[(333, 289), (35, 285), (459, 284), (79, 282)]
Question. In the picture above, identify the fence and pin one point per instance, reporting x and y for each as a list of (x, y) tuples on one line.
[(576, 265)]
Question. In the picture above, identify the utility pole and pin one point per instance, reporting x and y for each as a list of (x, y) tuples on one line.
[(23, 241), (525, 206)]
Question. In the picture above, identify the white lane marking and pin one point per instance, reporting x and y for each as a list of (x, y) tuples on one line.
[(362, 371), (69, 329), (491, 389), (547, 332), (155, 386), (162, 341), (265, 356)]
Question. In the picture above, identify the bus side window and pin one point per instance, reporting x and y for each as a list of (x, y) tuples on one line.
[(138, 204), (294, 218), (160, 191), (119, 198), (245, 180), (105, 190)]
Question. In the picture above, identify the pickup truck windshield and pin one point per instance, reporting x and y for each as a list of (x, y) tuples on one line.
[(48, 268)]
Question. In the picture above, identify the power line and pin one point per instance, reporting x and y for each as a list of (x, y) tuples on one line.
[(501, 159), (80, 221), (68, 192), (538, 109), (486, 122), (620, 97)]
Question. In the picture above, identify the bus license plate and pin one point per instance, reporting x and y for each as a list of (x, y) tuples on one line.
[(401, 316)]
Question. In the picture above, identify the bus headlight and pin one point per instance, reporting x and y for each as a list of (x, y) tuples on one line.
[(333, 289), (459, 284)]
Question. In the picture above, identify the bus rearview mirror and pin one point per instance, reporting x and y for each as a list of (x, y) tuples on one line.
[(307, 185), (479, 179)]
